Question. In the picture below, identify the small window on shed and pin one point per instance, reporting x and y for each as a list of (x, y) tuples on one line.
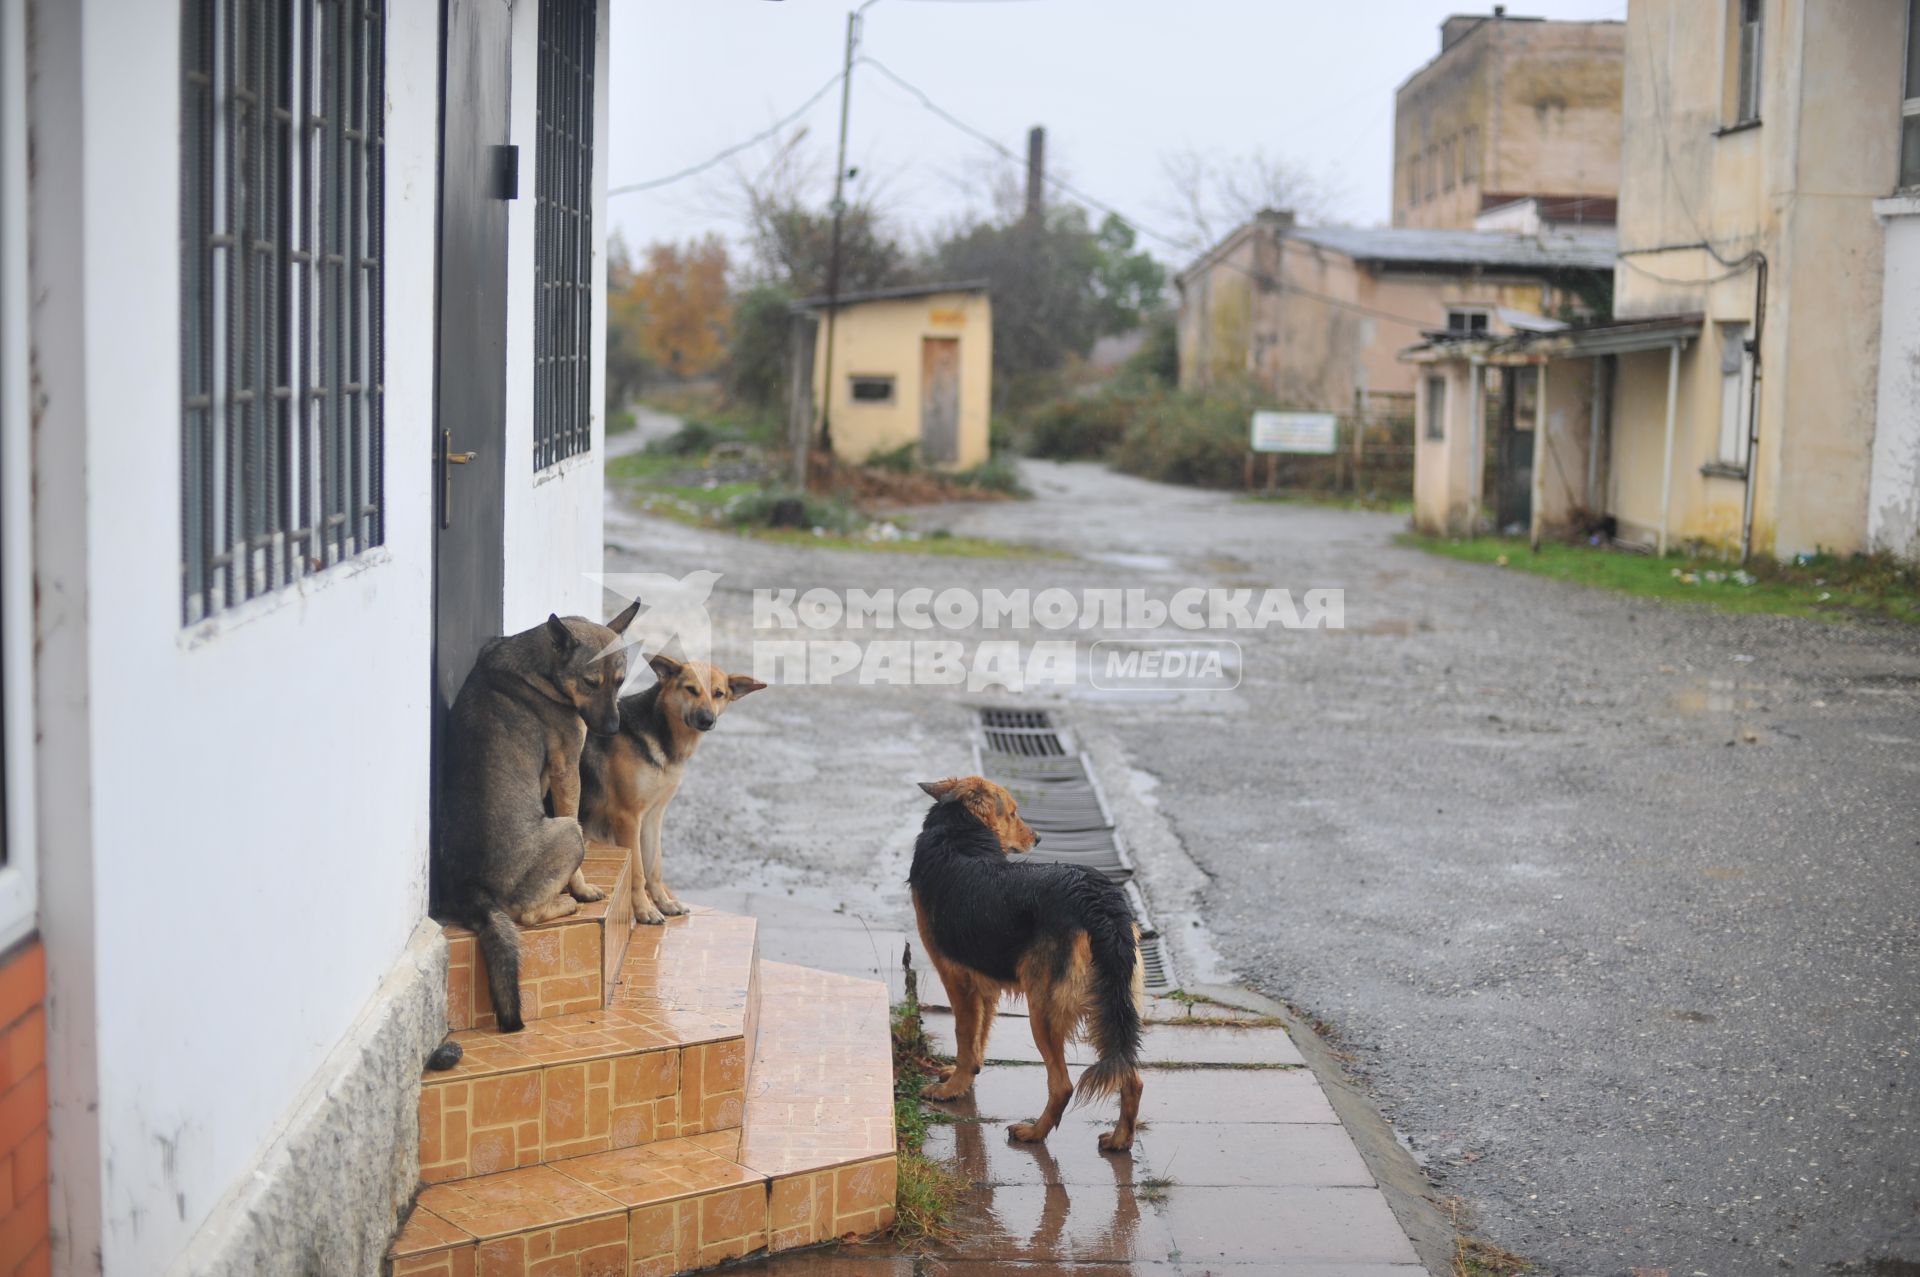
[(1436, 408), (1467, 321), (872, 389)]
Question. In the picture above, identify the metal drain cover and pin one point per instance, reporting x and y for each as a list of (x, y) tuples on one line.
[(1025, 750)]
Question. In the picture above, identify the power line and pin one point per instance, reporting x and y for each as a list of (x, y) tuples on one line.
[(731, 151), (1185, 246)]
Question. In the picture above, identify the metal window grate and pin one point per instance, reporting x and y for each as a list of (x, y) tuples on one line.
[(280, 293), (563, 220)]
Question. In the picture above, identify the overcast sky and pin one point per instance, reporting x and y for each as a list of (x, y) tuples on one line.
[(1117, 83)]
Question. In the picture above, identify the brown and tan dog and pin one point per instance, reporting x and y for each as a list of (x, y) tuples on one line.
[(627, 779), (1062, 935)]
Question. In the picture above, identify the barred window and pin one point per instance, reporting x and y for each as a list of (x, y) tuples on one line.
[(280, 293), (563, 221)]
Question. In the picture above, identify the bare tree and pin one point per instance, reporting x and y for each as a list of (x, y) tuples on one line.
[(1209, 194)]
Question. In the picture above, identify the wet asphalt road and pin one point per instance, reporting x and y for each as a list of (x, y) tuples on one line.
[(1614, 906)]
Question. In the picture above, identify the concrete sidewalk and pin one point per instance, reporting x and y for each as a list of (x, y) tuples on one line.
[(1241, 1164)]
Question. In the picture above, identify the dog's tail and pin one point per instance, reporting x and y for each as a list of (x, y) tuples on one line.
[(1114, 1018), (500, 950)]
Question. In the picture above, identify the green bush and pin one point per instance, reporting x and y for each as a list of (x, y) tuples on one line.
[(902, 460), (995, 474), (781, 507), (1077, 428), (1184, 438)]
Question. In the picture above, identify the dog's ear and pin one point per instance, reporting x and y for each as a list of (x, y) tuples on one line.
[(557, 630), (664, 666), (941, 790), (620, 623), (739, 685)]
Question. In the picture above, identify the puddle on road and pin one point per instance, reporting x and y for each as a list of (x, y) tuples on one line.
[(1122, 559)]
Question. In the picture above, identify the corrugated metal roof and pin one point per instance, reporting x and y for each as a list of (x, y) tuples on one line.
[(1587, 249), (899, 293)]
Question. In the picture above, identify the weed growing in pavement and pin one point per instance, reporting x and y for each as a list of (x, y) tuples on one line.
[(1473, 1257), (1152, 1189), (927, 1188)]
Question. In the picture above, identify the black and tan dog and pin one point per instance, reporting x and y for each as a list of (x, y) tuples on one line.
[(1060, 934), (510, 842), (628, 777)]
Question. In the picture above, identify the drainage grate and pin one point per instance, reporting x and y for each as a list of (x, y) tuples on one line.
[(1023, 733), (1027, 752)]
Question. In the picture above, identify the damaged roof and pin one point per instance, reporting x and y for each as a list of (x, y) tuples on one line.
[(1402, 245)]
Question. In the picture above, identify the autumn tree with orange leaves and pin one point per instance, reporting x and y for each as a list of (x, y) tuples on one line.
[(668, 315)]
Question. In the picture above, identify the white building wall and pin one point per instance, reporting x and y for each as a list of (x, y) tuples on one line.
[(553, 517), (1893, 498), (239, 854)]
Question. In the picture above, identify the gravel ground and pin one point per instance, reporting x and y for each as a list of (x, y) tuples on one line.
[(1614, 905)]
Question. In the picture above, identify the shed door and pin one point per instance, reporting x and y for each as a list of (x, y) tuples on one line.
[(940, 400)]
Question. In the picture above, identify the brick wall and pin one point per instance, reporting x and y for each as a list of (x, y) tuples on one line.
[(23, 1111)]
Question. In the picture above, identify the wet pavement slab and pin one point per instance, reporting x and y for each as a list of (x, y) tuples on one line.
[(1165, 1044)]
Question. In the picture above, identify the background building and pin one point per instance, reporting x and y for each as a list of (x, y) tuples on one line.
[(1313, 317), (912, 366), (1510, 108), (1754, 390)]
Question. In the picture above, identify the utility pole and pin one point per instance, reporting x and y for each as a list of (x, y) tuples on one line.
[(833, 253), (1036, 175)]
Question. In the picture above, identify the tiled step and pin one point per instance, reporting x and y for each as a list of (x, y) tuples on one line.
[(566, 966), (819, 1119), (814, 1162), (667, 1059)]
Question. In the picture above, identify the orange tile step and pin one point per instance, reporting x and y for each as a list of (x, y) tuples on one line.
[(668, 1058), (815, 1161), (566, 966)]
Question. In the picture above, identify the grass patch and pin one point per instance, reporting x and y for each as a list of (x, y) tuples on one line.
[(1473, 1257), (1826, 586), (1152, 1189), (927, 1188), (620, 421)]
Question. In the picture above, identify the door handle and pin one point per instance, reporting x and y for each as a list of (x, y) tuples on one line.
[(449, 459)]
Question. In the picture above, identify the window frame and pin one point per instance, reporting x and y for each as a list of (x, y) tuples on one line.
[(19, 853), (853, 389), (1907, 179), (1736, 369), (1436, 390), (564, 299), (282, 295), (1746, 54), (1470, 313)]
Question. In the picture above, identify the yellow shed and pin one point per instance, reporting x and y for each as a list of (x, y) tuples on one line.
[(911, 365)]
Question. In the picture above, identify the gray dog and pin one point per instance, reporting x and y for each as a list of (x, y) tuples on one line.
[(511, 844)]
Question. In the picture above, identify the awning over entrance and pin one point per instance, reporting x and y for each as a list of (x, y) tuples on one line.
[(1620, 337)]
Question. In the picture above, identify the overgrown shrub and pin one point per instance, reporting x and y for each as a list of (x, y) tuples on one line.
[(781, 507), (1079, 428), (998, 473), (902, 460), (1185, 438)]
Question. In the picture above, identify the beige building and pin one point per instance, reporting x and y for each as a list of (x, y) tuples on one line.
[(1314, 317), (910, 365), (1733, 402), (1509, 108)]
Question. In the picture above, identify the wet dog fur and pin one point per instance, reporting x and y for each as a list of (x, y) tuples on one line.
[(510, 842), (628, 777), (1062, 935)]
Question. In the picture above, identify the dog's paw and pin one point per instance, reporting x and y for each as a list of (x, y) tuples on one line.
[(951, 1089), (673, 908), (649, 916), (587, 893), (1112, 1143), (1026, 1132)]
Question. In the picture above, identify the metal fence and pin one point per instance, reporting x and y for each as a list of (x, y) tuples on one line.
[(281, 224), (563, 220)]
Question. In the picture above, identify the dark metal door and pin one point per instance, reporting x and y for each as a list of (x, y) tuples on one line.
[(1514, 499), (940, 400), (470, 374)]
